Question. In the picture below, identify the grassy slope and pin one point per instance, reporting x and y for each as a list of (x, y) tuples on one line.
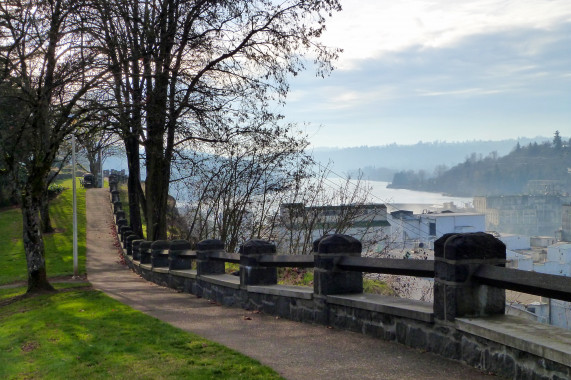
[(59, 246), (59, 253), (12, 252), (81, 333)]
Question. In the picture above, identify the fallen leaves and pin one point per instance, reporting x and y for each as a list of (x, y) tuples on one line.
[(30, 346)]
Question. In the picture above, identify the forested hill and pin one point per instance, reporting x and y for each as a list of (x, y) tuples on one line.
[(381, 162), (495, 175)]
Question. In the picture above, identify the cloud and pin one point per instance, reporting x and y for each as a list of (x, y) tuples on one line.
[(440, 70), (368, 29), (461, 92), (512, 82)]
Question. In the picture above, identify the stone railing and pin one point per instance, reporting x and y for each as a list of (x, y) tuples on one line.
[(466, 321)]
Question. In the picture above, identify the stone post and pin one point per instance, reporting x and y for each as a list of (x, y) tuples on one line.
[(251, 273), (125, 233), (204, 265), (145, 252), (176, 260), (117, 206), (158, 258), (129, 243), (136, 249), (115, 196), (120, 215), (120, 223), (327, 278), (456, 295)]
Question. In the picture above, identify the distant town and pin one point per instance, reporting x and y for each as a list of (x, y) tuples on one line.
[(522, 197)]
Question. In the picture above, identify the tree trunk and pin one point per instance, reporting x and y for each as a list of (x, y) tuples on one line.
[(157, 189), (134, 185), (32, 236), (45, 213), (94, 166), (158, 159)]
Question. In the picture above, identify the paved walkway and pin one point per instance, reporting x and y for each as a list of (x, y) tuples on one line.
[(295, 350)]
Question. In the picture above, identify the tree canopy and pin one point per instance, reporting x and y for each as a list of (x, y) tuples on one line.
[(187, 72), (168, 76)]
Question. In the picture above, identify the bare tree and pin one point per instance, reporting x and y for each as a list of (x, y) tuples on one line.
[(42, 57), (275, 193), (234, 188), (188, 70), (319, 205)]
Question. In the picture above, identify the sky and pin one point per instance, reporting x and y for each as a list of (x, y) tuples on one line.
[(439, 70)]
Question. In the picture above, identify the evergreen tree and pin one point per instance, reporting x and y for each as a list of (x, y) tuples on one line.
[(557, 142)]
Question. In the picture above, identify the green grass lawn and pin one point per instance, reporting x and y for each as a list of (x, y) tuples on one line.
[(81, 333), (59, 252), (12, 252)]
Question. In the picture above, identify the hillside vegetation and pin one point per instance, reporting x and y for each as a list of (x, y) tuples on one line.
[(494, 175), (380, 163)]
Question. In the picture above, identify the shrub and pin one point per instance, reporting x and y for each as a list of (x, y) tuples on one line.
[(54, 190)]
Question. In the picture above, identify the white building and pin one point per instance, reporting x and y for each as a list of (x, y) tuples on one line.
[(424, 229), (554, 259), (301, 225), (514, 242)]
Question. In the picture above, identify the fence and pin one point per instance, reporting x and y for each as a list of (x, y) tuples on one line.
[(466, 321)]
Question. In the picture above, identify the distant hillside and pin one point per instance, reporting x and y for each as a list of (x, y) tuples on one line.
[(381, 162), (535, 168)]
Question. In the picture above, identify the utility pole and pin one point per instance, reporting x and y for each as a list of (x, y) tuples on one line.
[(100, 179), (75, 271)]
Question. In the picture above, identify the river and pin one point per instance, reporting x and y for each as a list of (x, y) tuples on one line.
[(403, 199)]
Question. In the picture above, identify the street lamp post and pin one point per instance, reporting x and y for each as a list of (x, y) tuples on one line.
[(75, 270), (100, 179)]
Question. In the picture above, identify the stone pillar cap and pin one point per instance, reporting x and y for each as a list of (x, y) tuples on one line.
[(180, 244), (210, 245), (338, 243), (160, 244), (467, 246), (317, 241), (137, 242), (145, 244), (257, 247)]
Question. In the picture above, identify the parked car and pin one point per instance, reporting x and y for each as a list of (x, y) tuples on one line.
[(88, 180)]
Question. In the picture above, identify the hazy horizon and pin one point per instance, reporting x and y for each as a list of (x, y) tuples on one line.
[(440, 70), (435, 142)]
